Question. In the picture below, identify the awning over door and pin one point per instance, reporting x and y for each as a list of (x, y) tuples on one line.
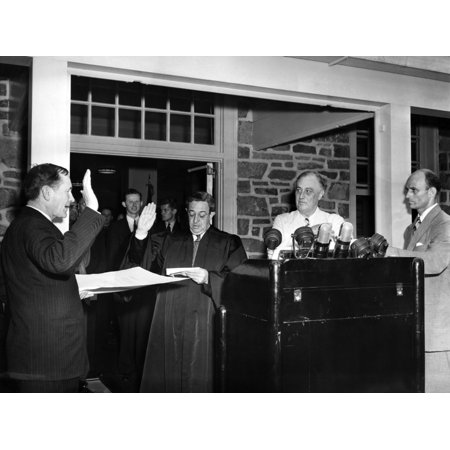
[(276, 127)]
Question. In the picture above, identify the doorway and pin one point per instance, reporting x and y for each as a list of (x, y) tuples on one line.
[(156, 179)]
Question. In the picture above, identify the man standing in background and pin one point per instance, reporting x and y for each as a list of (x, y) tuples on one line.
[(429, 238), (130, 312)]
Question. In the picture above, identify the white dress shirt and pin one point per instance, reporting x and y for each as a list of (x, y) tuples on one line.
[(287, 223)]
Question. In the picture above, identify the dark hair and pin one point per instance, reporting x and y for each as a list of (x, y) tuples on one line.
[(202, 196), (131, 191), (319, 177), (169, 201), (39, 176), (431, 179)]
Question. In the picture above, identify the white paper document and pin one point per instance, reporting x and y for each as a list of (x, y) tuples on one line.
[(180, 271), (121, 280)]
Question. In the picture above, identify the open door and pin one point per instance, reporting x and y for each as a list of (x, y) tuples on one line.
[(202, 176)]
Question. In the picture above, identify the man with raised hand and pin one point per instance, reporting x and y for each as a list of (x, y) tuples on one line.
[(46, 346)]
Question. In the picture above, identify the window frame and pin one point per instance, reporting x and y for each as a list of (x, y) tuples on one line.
[(143, 109), (223, 154)]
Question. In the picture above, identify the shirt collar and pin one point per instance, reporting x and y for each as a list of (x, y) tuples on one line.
[(426, 212), (311, 217), (131, 221)]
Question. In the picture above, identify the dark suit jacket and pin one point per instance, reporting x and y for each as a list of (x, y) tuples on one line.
[(46, 336), (160, 227), (431, 242), (118, 239)]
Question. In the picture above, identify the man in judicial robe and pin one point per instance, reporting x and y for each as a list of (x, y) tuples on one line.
[(180, 347)]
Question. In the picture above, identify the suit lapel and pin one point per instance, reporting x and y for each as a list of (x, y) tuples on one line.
[(423, 228)]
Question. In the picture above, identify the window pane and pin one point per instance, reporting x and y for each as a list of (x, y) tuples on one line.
[(362, 147), (155, 126), (78, 119), (203, 130), (155, 97), (102, 121), (365, 217), (203, 103), (180, 100), (362, 174), (79, 88), (180, 128), (104, 91), (129, 124), (414, 150), (130, 94)]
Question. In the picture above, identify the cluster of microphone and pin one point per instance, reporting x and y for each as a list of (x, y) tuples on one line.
[(307, 244)]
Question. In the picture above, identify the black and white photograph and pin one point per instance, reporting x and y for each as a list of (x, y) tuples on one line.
[(209, 229)]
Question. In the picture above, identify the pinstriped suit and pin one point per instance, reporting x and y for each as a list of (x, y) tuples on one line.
[(46, 336)]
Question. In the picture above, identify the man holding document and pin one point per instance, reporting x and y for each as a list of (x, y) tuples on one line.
[(46, 345), (180, 347)]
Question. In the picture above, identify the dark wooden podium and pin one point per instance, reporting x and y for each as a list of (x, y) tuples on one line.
[(322, 325)]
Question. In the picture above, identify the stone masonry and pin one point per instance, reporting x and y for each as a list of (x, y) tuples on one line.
[(12, 154)]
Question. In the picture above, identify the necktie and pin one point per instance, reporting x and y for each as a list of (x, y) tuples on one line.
[(306, 222), (134, 226), (196, 243), (168, 230), (416, 224)]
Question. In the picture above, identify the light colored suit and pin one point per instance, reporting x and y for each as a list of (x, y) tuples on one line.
[(431, 242)]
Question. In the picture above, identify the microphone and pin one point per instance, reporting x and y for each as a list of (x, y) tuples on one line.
[(361, 248), (342, 246), (379, 245), (322, 241), (272, 239), (304, 237)]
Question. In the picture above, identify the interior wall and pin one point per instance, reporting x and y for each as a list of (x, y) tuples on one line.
[(138, 178)]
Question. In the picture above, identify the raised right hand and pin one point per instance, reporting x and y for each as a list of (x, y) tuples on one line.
[(88, 194), (146, 219)]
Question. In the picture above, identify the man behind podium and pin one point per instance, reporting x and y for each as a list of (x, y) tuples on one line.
[(429, 238), (309, 189), (46, 346)]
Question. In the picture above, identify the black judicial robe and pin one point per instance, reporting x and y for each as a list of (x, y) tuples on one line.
[(180, 348)]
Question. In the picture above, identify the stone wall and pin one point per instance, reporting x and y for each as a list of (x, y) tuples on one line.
[(13, 146), (266, 179)]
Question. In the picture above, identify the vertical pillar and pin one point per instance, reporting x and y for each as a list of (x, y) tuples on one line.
[(227, 186), (392, 168), (50, 112), (50, 115)]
